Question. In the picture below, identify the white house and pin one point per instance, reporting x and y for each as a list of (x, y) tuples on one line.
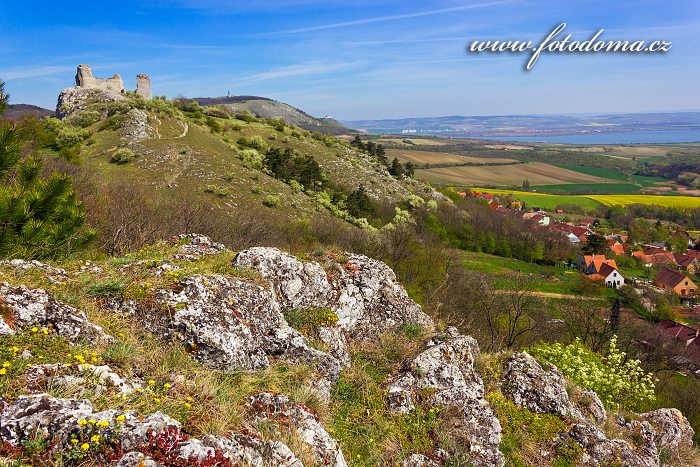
[(612, 277)]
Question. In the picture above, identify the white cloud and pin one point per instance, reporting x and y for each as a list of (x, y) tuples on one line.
[(380, 19), (33, 72)]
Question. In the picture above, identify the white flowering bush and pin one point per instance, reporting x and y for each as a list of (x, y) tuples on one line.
[(621, 383)]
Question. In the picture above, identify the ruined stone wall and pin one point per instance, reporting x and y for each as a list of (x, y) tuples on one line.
[(143, 86), (85, 79)]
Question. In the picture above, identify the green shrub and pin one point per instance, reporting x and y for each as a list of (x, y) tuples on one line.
[(68, 136), (257, 142), (271, 201), (86, 118), (251, 158), (245, 117), (621, 383), (122, 156)]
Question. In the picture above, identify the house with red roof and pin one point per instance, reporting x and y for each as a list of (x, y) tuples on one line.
[(687, 262), (679, 331), (616, 247), (675, 282)]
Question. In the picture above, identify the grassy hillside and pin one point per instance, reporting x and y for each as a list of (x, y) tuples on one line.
[(197, 162)]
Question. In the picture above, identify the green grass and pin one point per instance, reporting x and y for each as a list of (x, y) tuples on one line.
[(601, 172), (496, 264)]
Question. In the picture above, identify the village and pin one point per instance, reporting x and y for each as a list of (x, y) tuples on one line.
[(665, 272)]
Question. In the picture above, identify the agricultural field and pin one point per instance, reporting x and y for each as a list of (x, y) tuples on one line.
[(537, 173), (666, 201), (547, 201), (431, 157), (412, 141)]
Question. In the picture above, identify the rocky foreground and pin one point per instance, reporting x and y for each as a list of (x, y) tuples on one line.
[(256, 314)]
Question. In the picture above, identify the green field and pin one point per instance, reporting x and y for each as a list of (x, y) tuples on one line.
[(541, 279), (614, 188), (595, 171)]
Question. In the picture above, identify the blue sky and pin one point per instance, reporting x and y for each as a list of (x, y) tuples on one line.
[(358, 59)]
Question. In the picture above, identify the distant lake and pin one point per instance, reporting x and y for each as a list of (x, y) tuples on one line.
[(631, 137)]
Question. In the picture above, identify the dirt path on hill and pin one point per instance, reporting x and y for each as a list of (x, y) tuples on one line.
[(552, 295)]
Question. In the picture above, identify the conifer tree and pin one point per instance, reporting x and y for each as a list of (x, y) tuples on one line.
[(39, 218)]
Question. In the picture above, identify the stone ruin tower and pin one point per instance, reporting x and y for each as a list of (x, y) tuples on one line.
[(143, 86), (85, 79)]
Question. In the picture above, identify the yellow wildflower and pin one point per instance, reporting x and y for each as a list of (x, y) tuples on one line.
[(35, 329), (92, 421), (45, 330), (85, 446), (188, 405), (74, 441), (189, 399), (6, 364), (166, 386), (151, 382), (82, 422), (103, 423), (156, 400), (121, 418), (3, 371), (95, 438)]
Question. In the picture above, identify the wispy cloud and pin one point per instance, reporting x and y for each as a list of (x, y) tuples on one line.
[(381, 19), (33, 72), (301, 69)]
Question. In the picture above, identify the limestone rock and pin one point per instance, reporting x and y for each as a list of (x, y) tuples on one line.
[(362, 292), (73, 100), (266, 406), (34, 307), (251, 451), (532, 387), (137, 459), (419, 460), (233, 324), (199, 245), (599, 450), (135, 127), (589, 405), (445, 369), (443, 376), (673, 431), (57, 418)]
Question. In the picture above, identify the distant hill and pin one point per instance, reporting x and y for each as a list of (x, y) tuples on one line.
[(17, 111), (263, 107), (531, 125)]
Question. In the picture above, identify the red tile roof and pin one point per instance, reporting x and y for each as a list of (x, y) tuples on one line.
[(669, 278)]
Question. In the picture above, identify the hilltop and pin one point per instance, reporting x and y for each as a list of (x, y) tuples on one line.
[(265, 108), (17, 111), (204, 167)]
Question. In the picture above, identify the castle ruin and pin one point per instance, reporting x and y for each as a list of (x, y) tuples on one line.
[(85, 79)]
